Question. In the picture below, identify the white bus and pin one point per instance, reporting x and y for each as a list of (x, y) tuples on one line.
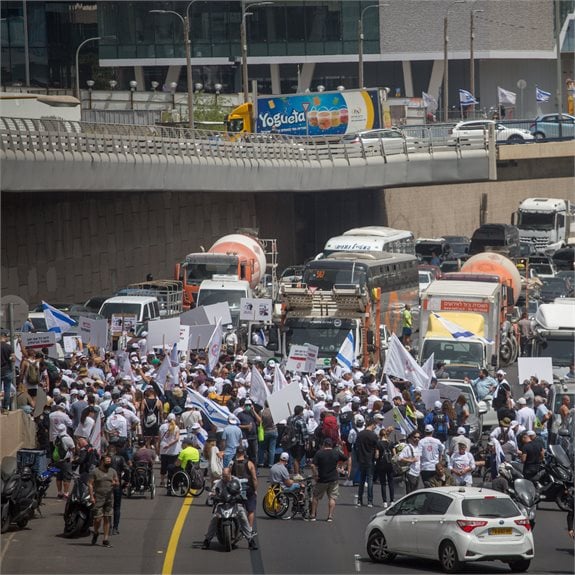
[(371, 239)]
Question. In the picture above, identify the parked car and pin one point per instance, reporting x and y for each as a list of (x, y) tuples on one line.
[(391, 140), (450, 266), (455, 525), (473, 129), (547, 126), (425, 278), (543, 265), (555, 287)]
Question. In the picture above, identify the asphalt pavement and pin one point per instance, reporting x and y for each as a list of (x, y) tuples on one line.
[(164, 535)]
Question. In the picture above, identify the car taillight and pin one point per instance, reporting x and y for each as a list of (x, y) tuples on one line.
[(524, 522), (468, 526)]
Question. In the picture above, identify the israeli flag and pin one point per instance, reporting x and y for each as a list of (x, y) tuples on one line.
[(217, 414), (466, 98), (402, 424), (458, 332), (56, 320), (542, 95), (346, 354)]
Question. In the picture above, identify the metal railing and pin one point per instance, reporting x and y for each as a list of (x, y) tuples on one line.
[(51, 136)]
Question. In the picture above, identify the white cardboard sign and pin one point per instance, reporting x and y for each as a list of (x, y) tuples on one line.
[(40, 340), (256, 309), (163, 332), (122, 322), (200, 336), (297, 360), (184, 341), (282, 402), (94, 332), (540, 367), (72, 343), (311, 361)]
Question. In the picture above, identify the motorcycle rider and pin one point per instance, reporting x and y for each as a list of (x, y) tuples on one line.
[(229, 485)]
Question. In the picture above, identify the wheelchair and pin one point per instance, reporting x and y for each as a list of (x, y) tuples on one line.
[(191, 481), (142, 480)]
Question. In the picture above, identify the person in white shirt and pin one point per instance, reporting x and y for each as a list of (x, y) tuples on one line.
[(58, 416), (525, 414), (411, 453), (461, 437), (117, 428), (462, 465), (431, 451)]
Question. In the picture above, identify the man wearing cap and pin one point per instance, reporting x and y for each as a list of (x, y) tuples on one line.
[(431, 451), (65, 453), (78, 407), (280, 474), (461, 437), (461, 465), (231, 437), (249, 421)]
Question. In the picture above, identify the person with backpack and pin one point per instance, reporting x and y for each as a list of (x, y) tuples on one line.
[(411, 454), (439, 420), (62, 455), (151, 410), (30, 371), (384, 452), (295, 437)]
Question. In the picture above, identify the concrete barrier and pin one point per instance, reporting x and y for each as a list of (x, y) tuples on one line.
[(17, 430)]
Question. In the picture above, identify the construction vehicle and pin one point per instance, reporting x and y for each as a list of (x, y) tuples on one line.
[(545, 223), (469, 317), (554, 329), (325, 318), (241, 256)]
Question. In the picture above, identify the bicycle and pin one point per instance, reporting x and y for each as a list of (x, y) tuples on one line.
[(190, 481), (291, 503), (271, 505)]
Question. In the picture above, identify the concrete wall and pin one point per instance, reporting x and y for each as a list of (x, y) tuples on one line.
[(17, 430), (69, 246)]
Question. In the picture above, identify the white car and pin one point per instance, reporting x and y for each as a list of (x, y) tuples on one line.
[(425, 278), (454, 525), (477, 129), (390, 140)]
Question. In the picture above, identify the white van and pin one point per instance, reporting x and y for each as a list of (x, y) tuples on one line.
[(143, 307), (227, 290)]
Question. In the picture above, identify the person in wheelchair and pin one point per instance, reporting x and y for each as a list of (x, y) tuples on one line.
[(187, 458), (279, 474)]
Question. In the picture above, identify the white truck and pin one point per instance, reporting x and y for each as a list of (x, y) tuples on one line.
[(545, 223), (472, 306), (555, 334), (228, 289)]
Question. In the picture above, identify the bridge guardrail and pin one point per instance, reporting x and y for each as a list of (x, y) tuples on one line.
[(41, 136)]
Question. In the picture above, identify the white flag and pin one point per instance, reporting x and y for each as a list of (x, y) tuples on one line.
[(125, 366), (428, 369), (258, 389), (174, 367), (430, 102), (163, 373), (346, 354), (392, 391), (56, 320), (280, 380), (215, 346), (399, 362), (506, 96), (95, 438)]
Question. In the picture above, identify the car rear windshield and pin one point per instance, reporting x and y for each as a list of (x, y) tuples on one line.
[(489, 507)]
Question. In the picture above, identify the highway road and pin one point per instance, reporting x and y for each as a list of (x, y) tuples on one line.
[(164, 536)]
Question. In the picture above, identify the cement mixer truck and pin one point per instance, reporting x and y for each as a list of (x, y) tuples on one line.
[(468, 318), (241, 256)]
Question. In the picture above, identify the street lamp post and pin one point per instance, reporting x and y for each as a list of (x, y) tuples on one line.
[(360, 41), (244, 43), (218, 88), (94, 39), (446, 60), (471, 53), (133, 86), (90, 84), (187, 44)]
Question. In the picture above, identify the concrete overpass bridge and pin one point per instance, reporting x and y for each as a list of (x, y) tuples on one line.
[(91, 234)]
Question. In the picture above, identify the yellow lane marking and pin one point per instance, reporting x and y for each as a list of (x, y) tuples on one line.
[(175, 536)]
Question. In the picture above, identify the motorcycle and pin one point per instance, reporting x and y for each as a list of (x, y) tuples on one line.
[(19, 494), (521, 490), (78, 511), (43, 482), (226, 511), (554, 479)]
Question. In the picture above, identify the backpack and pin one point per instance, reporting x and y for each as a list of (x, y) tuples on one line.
[(150, 418), (33, 374), (290, 435), (329, 429), (345, 424), (53, 372), (440, 425), (60, 451), (385, 455), (400, 466)]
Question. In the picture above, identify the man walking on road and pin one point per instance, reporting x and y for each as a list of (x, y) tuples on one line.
[(101, 483), (324, 470)]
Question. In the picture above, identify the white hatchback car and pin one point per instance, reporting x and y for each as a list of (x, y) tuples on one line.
[(476, 129), (454, 525)]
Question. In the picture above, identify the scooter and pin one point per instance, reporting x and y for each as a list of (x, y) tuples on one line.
[(19, 494), (43, 482), (78, 511), (521, 490)]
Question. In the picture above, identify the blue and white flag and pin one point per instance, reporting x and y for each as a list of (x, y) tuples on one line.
[(346, 354), (542, 95), (403, 424), (458, 332), (217, 414), (56, 320), (466, 98), (215, 346)]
